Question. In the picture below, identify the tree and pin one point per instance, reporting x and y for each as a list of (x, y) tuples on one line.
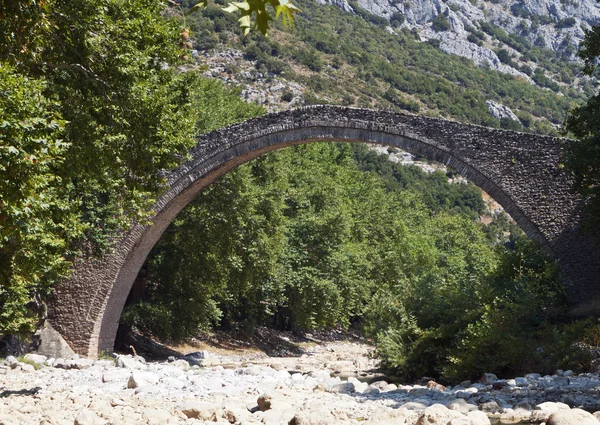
[(92, 109), (582, 156)]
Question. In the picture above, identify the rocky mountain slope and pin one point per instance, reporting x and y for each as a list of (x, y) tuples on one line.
[(477, 29)]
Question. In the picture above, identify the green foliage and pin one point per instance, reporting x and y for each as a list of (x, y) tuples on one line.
[(582, 157), (299, 238), (434, 189), (440, 23), (35, 365), (508, 321), (254, 14), (92, 109), (36, 221)]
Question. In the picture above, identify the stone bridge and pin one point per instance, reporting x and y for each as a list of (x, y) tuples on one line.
[(520, 171)]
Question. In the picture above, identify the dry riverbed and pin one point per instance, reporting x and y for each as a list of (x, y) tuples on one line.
[(317, 386)]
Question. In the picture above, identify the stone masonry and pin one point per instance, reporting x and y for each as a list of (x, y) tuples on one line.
[(520, 171)]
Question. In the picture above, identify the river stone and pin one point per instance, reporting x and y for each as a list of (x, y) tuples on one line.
[(489, 378), (129, 363), (319, 375), (156, 416), (27, 367), (264, 402), (389, 387), (139, 379), (460, 405), (371, 389), (344, 387), (200, 410), (312, 418), (572, 417), (523, 405), (478, 418), (438, 414), (12, 362), (551, 406), (36, 358), (183, 364), (419, 392), (414, 405), (490, 407), (85, 417), (521, 382)]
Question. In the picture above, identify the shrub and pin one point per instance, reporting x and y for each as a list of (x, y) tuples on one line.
[(440, 23), (287, 96)]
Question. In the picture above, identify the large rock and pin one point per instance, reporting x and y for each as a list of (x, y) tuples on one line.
[(438, 414), (130, 363), (201, 411), (86, 417), (489, 378), (264, 402), (36, 358), (478, 418), (500, 111), (139, 379), (312, 418), (572, 417), (51, 343)]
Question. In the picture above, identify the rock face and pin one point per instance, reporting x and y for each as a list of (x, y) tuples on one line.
[(554, 25), (342, 4), (500, 111)]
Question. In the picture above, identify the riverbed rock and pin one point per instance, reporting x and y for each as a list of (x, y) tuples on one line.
[(478, 418), (139, 379), (201, 410), (572, 417), (86, 417), (130, 363), (36, 358), (264, 402), (438, 414), (488, 378)]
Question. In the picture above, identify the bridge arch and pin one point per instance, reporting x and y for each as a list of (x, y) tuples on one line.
[(520, 171)]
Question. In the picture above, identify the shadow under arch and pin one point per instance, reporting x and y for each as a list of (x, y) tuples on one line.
[(520, 171)]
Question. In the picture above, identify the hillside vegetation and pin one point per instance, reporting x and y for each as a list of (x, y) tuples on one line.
[(354, 60)]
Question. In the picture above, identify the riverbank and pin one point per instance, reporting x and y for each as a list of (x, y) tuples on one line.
[(324, 385)]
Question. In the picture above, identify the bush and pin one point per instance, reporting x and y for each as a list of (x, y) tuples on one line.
[(566, 23), (504, 57), (507, 322), (397, 19), (440, 23), (287, 96)]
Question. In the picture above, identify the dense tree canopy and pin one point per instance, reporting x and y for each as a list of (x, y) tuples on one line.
[(92, 107)]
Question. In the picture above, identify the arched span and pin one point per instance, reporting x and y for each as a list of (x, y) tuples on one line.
[(520, 171)]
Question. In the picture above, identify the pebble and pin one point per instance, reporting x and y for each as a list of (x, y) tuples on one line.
[(133, 391)]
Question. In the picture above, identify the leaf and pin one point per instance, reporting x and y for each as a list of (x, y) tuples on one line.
[(200, 5), (231, 8), (242, 5), (244, 21)]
